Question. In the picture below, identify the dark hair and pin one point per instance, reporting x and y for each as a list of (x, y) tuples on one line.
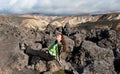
[(63, 43)]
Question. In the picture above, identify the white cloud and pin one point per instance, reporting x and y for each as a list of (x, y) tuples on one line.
[(59, 6), (3, 4), (12, 2)]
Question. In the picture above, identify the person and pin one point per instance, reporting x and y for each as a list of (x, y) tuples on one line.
[(53, 51), (57, 47)]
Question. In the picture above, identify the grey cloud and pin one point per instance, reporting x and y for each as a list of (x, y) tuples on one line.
[(59, 6)]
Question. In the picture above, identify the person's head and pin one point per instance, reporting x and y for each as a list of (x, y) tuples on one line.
[(60, 38)]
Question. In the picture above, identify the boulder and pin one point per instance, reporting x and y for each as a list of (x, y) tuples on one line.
[(41, 66), (53, 66), (11, 57), (69, 44), (102, 58)]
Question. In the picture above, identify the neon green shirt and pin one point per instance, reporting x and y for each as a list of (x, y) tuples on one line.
[(54, 50)]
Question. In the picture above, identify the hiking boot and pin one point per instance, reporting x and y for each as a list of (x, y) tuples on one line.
[(23, 46)]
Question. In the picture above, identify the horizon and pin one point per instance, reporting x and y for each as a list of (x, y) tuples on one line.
[(59, 8)]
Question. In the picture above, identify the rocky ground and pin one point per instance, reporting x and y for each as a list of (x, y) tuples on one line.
[(92, 41)]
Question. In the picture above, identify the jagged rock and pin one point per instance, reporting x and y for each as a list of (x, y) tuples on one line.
[(11, 56), (53, 66), (5, 71), (48, 72), (104, 43), (20, 60), (41, 66), (78, 39), (93, 49), (25, 71), (47, 41), (69, 44), (66, 30), (103, 58), (63, 55)]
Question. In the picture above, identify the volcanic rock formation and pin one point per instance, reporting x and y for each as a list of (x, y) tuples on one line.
[(92, 42)]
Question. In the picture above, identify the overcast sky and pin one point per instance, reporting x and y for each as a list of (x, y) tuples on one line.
[(60, 7)]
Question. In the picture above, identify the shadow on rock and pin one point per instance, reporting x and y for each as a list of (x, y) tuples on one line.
[(116, 61)]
